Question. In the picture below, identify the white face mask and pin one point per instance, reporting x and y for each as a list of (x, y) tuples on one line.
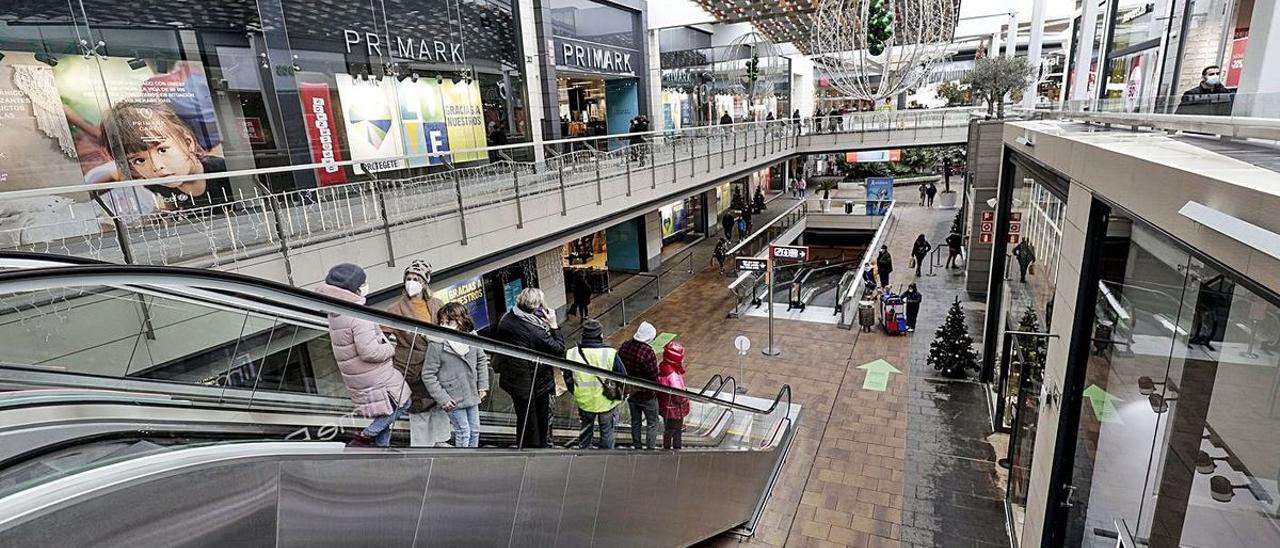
[(413, 288), (1213, 79), (364, 289)]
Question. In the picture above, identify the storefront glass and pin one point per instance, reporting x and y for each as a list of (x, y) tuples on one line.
[(684, 222), (91, 87), (598, 55), (1179, 433), (1031, 271), (701, 85), (1138, 22)]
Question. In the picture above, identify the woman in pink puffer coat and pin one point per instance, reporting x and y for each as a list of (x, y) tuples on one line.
[(364, 357)]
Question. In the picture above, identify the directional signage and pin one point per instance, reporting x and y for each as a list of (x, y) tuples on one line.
[(798, 253), (878, 372), (752, 264), (1104, 407)]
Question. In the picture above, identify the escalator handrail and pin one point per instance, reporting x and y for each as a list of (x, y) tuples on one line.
[(304, 300)]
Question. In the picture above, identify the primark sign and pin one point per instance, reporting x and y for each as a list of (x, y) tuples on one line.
[(574, 55), (407, 47)]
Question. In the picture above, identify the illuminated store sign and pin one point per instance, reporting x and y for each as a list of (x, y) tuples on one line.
[(406, 47), (593, 57)]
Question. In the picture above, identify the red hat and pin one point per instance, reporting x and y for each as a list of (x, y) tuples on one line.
[(672, 358)]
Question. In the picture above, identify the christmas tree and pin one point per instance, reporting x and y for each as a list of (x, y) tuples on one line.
[(1031, 348), (736, 202), (951, 352)]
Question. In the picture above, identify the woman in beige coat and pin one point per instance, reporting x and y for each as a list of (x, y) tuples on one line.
[(428, 423)]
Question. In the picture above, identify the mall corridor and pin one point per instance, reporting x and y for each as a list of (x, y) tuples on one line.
[(909, 465)]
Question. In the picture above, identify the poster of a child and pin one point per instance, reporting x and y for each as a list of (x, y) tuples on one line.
[(157, 143)]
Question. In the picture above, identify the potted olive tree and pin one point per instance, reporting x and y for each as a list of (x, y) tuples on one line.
[(994, 77), (953, 161)]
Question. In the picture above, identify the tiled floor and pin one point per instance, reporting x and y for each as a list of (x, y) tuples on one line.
[(907, 466)]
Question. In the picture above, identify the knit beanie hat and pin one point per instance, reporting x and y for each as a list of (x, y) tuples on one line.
[(592, 329), (645, 333), (421, 268), (346, 276)]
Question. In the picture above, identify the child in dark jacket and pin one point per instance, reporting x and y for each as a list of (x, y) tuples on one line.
[(672, 408)]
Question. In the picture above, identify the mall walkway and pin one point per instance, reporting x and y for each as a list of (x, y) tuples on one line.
[(906, 466)]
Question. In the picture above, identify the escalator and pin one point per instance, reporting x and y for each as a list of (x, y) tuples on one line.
[(97, 448)]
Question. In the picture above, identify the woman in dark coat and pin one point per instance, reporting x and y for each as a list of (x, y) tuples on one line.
[(920, 250), (884, 265), (529, 324), (912, 298)]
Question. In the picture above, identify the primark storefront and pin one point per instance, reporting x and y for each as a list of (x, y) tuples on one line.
[(96, 91)]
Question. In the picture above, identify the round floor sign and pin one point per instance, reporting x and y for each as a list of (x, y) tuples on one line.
[(742, 343)]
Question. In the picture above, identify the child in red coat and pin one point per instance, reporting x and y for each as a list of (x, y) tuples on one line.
[(672, 408)]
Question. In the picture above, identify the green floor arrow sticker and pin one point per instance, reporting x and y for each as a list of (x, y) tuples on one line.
[(1103, 406), (660, 342), (877, 375)]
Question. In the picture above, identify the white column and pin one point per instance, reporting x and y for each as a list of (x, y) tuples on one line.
[(655, 81), (1084, 54), (1030, 95), (994, 49), (1259, 91), (532, 76), (1011, 43)]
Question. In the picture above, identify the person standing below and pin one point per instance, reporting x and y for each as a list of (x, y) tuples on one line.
[(930, 192), (742, 226), (727, 223), (920, 251), (721, 253), (595, 405), (912, 298), (795, 120), (457, 376), (802, 185), (1025, 253), (364, 358), (954, 241), (725, 119), (641, 363), (884, 265), (672, 408), (581, 295), (530, 325), (924, 192), (428, 423)]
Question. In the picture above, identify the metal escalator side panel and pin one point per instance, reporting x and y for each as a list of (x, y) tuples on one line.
[(282, 494)]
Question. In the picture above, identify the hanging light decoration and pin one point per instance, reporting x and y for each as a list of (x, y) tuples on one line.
[(874, 49), (762, 69)]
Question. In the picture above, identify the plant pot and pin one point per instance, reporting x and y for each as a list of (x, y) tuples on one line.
[(947, 198)]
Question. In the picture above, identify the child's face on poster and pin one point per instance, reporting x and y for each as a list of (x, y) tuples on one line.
[(168, 156)]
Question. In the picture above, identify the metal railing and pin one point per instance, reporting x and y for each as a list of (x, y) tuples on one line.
[(652, 290), (119, 225), (854, 292)]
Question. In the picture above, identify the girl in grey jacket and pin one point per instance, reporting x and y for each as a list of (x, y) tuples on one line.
[(457, 376)]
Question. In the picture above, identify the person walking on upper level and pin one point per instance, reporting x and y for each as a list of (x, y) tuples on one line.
[(1210, 83), (596, 398), (954, 242), (721, 253), (742, 226), (727, 223), (803, 185), (581, 295), (641, 363), (428, 423), (912, 298), (930, 191), (1025, 254), (364, 357), (456, 375), (672, 408), (725, 119), (884, 265), (920, 251), (924, 193), (530, 325)]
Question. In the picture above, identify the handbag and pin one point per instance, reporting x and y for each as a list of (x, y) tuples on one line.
[(911, 263), (612, 390), (1032, 269)]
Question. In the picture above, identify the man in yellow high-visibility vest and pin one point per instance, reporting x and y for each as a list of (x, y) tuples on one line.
[(588, 390)]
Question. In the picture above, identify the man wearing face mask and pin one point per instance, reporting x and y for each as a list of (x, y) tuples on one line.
[(375, 386), (1210, 84), (428, 423)]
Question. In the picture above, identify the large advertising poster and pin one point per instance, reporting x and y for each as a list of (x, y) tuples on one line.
[(115, 119), (621, 105), (373, 127), (891, 155), (425, 130), (674, 219), (465, 119), (879, 195), (317, 109), (469, 293)]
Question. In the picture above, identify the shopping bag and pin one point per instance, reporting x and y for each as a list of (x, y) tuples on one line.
[(960, 261), (1032, 269), (911, 263)]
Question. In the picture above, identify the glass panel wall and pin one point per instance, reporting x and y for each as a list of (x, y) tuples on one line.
[(1179, 433), (1031, 272)]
